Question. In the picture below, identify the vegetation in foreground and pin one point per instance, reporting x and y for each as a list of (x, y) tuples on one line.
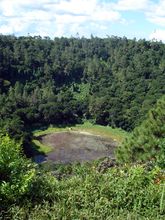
[(98, 190), (80, 191)]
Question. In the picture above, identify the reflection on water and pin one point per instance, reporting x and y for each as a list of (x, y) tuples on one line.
[(39, 158)]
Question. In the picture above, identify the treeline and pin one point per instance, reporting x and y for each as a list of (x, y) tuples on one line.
[(113, 81)]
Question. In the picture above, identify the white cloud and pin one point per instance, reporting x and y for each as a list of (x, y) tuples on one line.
[(70, 19), (156, 13), (55, 17), (37, 15), (14, 25), (156, 19), (74, 6), (5, 29), (67, 17), (126, 5), (153, 11), (106, 15), (158, 35)]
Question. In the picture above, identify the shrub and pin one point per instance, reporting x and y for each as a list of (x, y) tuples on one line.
[(16, 172)]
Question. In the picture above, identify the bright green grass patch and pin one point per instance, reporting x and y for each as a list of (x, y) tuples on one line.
[(83, 91), (106, 131), (41, 147), (48, 131), (115, 133)]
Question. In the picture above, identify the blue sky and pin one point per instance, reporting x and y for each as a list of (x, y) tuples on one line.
[(130, 18)]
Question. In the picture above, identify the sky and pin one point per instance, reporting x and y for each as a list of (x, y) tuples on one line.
[(76, 18)]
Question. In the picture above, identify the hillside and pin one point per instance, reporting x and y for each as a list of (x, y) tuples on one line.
[(112, 81)]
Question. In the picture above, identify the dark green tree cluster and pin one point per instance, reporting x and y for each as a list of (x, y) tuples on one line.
[(113, 81), (147, 141)]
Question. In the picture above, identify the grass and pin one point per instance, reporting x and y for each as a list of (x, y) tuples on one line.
[(49, 130), (116, 134), (106, 131), (41, 148)]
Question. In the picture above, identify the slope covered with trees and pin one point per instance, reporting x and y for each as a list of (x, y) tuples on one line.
[(113, 81)]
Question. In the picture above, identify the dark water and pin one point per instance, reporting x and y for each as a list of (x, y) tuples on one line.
[(71, 147)]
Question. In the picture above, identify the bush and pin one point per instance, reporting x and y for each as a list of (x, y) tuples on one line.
[(16, 172), (128, 192)]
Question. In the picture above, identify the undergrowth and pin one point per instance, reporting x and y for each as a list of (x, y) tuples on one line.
[(82, 192)]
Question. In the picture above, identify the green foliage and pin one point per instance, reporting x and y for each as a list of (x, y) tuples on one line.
[(27, 191), (20, 179), (134, 192), (14, 127), (147, 140), (161, 156), (16, 172), (112, 81)]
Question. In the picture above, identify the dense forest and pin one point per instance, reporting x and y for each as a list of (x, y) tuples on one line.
[(114, 82)]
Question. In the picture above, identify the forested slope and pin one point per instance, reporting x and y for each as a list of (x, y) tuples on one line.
[(113, 81)]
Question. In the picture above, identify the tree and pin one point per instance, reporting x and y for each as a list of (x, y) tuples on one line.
[(146, 141)]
